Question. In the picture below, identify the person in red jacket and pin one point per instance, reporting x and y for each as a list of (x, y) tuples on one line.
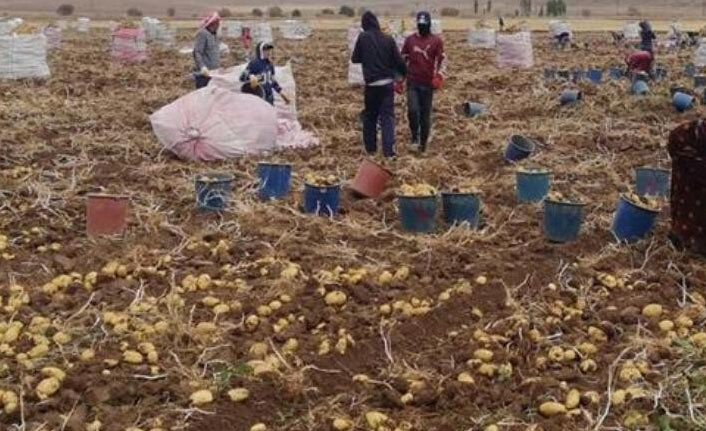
[(426, 65)]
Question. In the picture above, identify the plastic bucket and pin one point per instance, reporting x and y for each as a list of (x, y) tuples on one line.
[(632, 222), (652, 181), (275, 180), (690, 70), (563, 74), (640, 76), (106, 214), (418, 214), (532, 187), (461, 208), (615, 73), (595, 75), (519, 148), (639, 88), (371, 179), (569, 97), (549, 73), (699, 80), (562, 220), (471, 109), (682, 101), (213, 191), (322, 200)]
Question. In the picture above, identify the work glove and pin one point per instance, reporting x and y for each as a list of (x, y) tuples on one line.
[(437, 81), (205, 72), (399, 86)]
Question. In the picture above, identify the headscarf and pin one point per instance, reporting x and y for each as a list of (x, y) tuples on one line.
[(261, 48), (369, 21), (210, 19), (424, 23)]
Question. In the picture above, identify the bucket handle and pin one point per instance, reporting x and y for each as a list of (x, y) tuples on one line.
[(211, 194)]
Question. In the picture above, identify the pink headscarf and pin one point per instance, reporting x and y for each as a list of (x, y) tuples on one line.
[(210, 19)]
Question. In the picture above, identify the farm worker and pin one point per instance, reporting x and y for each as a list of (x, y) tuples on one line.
[(639, 61), (646, 37), (501, 23), (426, 65), (259, 75), (207, 55), (382, 66)]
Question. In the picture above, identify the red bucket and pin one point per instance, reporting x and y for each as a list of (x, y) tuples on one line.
[(106, 214), (371, 179)]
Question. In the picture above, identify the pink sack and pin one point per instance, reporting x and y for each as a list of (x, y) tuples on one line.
[(515, 50), (129, 45), (216, 124)]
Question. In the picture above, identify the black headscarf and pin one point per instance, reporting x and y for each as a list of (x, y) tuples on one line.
[(424, 23), (369, 21)]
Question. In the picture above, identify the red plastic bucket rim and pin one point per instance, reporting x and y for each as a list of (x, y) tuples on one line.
[(107, 196), (378, 165), (624, 197)]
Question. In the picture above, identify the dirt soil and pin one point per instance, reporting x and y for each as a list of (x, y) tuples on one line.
[(245, 298)]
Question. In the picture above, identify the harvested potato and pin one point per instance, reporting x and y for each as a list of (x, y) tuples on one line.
[(335, 298), (652, 311), (573, 398), (340, 424), (202, 397), (238, 395), (551, 408)]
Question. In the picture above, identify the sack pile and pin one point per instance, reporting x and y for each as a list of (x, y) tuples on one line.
[(515, 50), (23, 56), (129, 45), (295, 30)]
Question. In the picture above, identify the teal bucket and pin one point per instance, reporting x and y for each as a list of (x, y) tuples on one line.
[(418, 213), (532, 186), (562, 220), (213, 191), (461, 208)]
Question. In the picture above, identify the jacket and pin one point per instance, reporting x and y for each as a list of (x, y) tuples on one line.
[(377, 52), (425, 58), (265, 72), (206, 51), (646, 37)]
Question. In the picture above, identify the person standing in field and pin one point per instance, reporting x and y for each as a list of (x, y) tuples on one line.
[(382, 66), (647, 37), (207, 55), (424, 55)]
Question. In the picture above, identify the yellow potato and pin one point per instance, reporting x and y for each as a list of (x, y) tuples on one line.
[(652, 310), (551, 408), (573, 398), (201, 397), (238, 395)]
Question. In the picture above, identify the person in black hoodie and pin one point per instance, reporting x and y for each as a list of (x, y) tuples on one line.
[(382, 66)]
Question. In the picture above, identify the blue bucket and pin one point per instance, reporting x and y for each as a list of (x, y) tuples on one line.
[(640, 76), (461, 208), (213, 191), (532, 186), (652, 181), (562, 220), (563, 74), (569, 97), (275, 180), (682, 101), (690, 70), (418, 213), (472, 109), (639, 88), (549, 73), (616, 73), (632, 222), (595, 75), (322, 200), (519, 148)]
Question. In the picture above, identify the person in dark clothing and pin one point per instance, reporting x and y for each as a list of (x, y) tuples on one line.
[(259, 75), (207, 56), (647, 36), (501, 23), (425, 58), (382, 66)]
